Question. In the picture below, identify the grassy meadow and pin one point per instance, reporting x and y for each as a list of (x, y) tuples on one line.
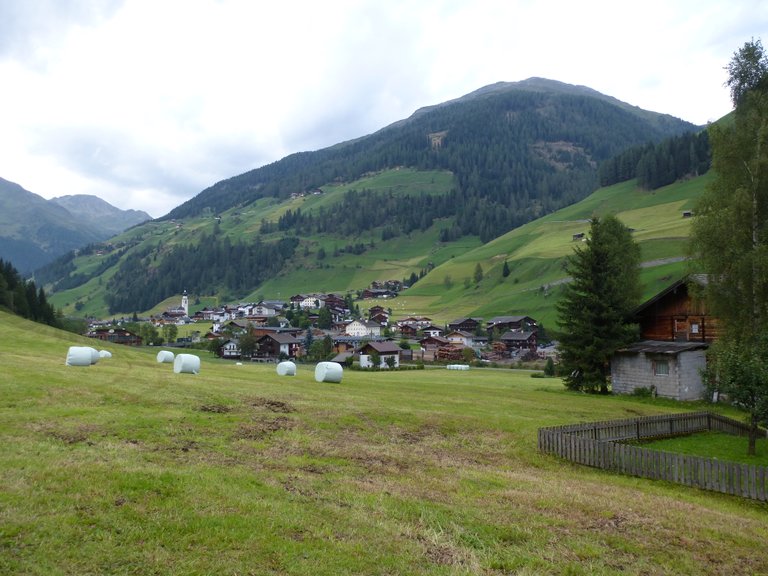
[(124, 467)]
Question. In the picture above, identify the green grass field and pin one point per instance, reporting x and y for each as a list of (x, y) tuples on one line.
[(124, 467), (714, 445)]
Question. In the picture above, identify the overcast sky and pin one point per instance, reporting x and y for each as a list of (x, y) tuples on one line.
[(145, 103)]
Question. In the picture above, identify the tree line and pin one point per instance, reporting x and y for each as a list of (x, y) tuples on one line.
[(23, 298), (657, 165)]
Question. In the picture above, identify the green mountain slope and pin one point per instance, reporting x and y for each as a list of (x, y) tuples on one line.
[(392, 205), (533, 252)]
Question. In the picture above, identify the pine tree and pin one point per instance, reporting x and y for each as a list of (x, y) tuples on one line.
[(594, 312)]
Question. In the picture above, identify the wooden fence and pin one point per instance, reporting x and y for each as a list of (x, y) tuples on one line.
[(599, 444)]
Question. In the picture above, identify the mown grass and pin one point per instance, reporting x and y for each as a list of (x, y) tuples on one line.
[(127, 468)]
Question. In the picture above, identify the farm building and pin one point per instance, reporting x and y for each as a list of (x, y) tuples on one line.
[(675, 331), (385, 350)]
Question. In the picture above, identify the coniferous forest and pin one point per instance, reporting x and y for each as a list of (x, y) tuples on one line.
[(212, 264), (23, 298), (515, 155), (657, 165)]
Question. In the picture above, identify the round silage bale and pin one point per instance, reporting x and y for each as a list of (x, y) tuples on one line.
[(286, 368), (165, 357), (186, 364), (94, 355), (105, 354), (79, 356), (328, 372)]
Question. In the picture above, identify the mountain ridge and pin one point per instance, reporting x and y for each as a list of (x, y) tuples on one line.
[(405, 200), (34, 231)]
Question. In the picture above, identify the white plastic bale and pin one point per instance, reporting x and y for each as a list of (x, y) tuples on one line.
[(328, 372), (94, 355), (186, 364), (165, 357), (79, 356), (286, 369), (105, 354)]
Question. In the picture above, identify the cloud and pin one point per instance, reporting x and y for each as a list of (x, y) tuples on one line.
[(151, 102)]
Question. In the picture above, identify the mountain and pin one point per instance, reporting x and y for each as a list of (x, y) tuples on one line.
[(398, 203), (100, 214), (34, 231)]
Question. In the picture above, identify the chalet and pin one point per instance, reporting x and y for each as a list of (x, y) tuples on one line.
[(334, 301), (409, 330), (675, 331), (259, 331), (420, 321), (510, 323), (277, 345), (377, 293), (388, 352), (115, 335), (432, 330), (363, 328), (465, 324), (230, 350), (381, 318), (265, 310), (238, 326), (517, 340), (373, 310), (433, 343), (342, 342), (460, 338)]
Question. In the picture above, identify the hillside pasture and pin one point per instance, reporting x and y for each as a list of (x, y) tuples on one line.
[(125, 467)]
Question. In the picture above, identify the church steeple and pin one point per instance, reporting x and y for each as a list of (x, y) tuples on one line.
[(185, 302)]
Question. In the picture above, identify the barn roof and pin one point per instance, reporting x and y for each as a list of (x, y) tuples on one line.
[(663, 347)]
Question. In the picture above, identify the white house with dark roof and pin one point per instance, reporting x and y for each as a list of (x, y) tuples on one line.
[(362, 328), (387, 351)]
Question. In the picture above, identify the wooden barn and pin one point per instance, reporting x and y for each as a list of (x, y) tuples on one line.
[(675, 331)]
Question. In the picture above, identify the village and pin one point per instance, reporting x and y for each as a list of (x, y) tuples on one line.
[(667, 359), (272, 330)]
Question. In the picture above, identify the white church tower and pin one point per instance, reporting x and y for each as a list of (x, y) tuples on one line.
[(185, 303)]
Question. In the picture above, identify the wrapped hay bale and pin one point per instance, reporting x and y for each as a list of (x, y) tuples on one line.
[(105, 354), (81, 356), (165, 357), (328, 372), (186, 364), (286, 369), (457, 367)]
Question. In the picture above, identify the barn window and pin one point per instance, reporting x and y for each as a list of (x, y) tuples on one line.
[(661, 368), (694, 328)]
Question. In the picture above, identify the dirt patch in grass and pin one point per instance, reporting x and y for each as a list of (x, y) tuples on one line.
[(272, 405), (81, 433), (263, 429), (215, 408)]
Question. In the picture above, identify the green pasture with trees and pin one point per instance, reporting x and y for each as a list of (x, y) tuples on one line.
[(125, 467)]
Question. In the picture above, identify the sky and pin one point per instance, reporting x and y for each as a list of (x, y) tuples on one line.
[(145, 103)]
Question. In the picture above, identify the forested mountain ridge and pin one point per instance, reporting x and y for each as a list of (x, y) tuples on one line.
[(517, 151), (391, 205)]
